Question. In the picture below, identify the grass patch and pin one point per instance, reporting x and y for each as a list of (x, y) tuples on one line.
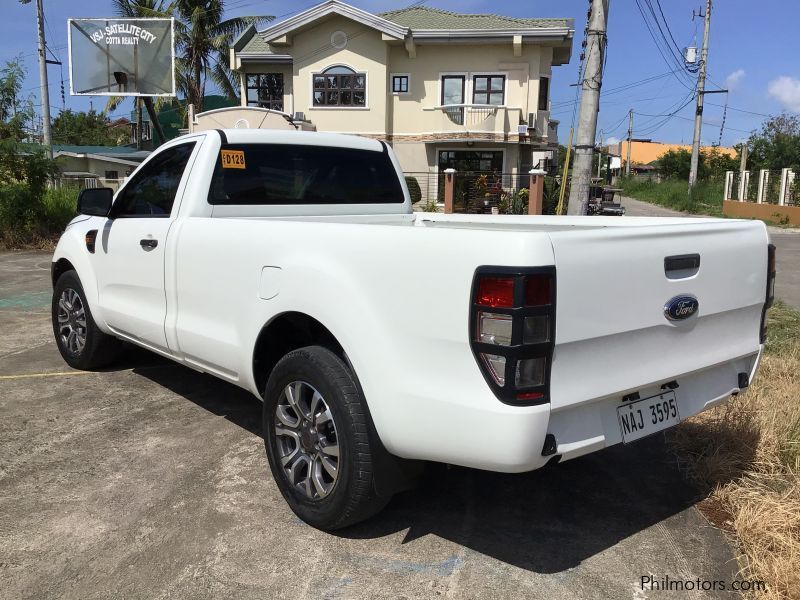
[(748, 452), (706, 198)]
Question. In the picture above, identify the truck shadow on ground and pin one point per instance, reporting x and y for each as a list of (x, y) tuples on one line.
[(544, 521)]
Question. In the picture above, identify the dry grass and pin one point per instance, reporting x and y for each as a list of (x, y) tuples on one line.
[(747, 453)]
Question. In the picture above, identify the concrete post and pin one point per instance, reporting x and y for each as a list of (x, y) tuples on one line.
[(763, 176), (449, 190), (726, 195), (784, 186), (536, 191), (744, 181)]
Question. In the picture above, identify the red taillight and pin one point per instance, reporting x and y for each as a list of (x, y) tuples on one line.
[(537, 290), (495, 292), (512, 331)]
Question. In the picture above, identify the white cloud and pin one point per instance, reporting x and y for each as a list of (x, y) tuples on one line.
[(733, 80), (786, 90), (612, 141)]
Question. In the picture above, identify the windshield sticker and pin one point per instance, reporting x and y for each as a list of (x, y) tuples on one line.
[(232, 159)]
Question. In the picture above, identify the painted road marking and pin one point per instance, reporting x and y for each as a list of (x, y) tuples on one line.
[(30, 300), (57, 374)]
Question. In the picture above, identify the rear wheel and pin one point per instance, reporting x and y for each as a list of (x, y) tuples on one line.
[(80, 342), (317, 440)]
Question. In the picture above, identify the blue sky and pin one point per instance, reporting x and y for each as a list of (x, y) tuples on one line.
[(753, 52)]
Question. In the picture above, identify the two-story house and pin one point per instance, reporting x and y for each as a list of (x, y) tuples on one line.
[(467, 91)]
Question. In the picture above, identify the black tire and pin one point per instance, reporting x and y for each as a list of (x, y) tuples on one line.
[(99, 349), (352, 497)]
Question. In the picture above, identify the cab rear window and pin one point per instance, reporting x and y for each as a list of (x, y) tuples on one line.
[(299, 174)]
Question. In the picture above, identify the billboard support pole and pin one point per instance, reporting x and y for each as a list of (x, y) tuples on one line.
[(148, 102), (139, 141)]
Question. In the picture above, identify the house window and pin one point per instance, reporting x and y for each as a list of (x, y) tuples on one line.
[(340, 86), (112, 175), (400, 84), (488, 89), (544, 92), (265, 90)]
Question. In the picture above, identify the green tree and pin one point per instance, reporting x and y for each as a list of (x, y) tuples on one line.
[(675, 164), (16, 113), (87, 128), (716, 162), (202, 39), (777, 145)]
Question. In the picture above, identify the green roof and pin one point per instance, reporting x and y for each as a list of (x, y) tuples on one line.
[(93, 149), (423, 17), (256, 45)]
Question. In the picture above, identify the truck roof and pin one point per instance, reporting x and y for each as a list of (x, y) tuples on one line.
[(310, 138)]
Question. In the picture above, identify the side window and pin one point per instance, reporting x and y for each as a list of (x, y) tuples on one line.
[(151, 192)]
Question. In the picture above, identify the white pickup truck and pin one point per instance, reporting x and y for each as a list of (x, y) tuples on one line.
[(292, 265)]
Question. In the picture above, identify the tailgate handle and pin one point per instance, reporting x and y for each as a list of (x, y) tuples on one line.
[(682, 265)]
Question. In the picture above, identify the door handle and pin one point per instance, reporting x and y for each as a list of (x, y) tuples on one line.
[(148, 244)]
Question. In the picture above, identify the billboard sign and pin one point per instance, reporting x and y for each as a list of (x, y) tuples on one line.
[(121, 57)]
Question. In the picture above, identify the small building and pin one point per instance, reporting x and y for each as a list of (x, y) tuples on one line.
[(444, 89), (644, 152), (96, 166)]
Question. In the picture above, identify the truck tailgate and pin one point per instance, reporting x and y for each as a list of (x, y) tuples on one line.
[(612, 335)]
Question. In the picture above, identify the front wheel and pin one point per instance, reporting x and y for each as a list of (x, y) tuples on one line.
[(81, 343), (317, 439)]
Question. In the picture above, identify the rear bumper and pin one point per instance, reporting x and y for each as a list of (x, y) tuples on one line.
[(593, 426), (497, 437)]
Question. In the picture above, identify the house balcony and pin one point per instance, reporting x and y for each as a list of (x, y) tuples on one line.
[(484, 122)]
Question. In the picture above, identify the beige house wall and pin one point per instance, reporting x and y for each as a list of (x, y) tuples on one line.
[(97, 166), (365, 52), (414, 114)]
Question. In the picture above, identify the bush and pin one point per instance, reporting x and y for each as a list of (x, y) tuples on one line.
[(20, 211), (24, 176), (60, 207)]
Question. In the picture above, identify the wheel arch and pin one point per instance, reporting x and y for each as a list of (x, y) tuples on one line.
[(286, 332), (59, 267)]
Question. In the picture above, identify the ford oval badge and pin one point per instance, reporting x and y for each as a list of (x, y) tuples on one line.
[(681, 307)]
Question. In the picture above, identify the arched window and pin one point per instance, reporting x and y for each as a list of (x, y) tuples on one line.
[(340, 86)]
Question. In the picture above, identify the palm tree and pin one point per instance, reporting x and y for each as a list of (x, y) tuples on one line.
[(202, 40)]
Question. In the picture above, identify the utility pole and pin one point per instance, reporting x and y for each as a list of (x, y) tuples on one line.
[(701, 86), (590, 104), (630, 134), (600, 155), (47, 136)]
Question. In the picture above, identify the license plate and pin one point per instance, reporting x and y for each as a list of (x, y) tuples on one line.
[(649, 415)]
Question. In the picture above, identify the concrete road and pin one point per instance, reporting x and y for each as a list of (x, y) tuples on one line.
[(149, 481), (787, 242)]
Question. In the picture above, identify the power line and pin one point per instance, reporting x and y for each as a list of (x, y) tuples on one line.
[(671, 64)]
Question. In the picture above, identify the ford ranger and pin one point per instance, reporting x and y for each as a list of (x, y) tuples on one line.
[(291, 264)]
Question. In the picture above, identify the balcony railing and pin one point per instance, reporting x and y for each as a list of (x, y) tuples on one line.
[(477, 118)]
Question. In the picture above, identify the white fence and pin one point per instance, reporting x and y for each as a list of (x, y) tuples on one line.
[(779, 187)]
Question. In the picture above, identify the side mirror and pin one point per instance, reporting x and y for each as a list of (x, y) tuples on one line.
[(95, 202)]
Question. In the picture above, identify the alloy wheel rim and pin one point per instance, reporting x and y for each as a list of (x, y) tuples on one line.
[(308, 446), (71, 322)]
